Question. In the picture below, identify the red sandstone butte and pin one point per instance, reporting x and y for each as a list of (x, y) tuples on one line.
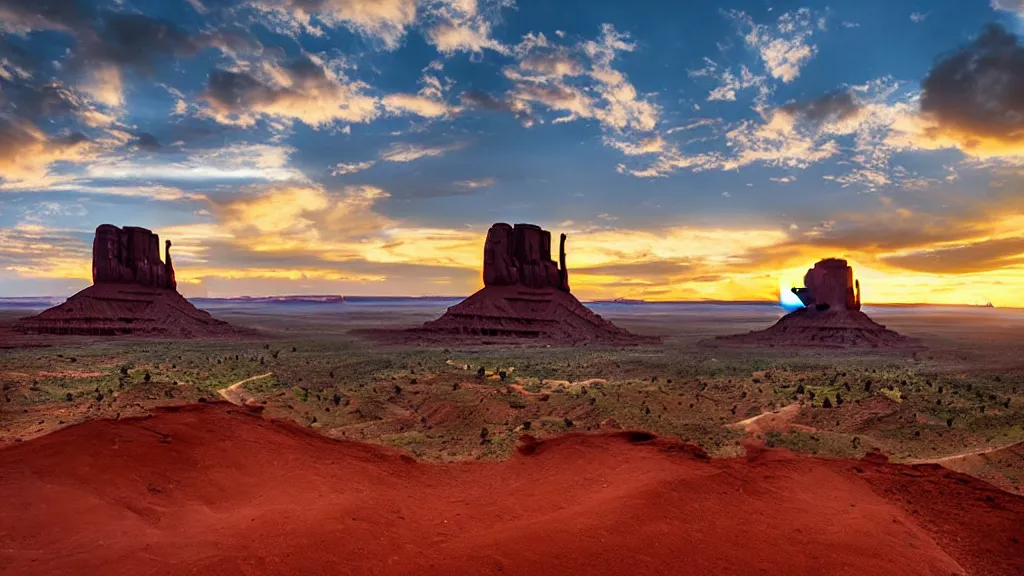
[(525, 297), (133, 292), (831, 316), (130, 256)]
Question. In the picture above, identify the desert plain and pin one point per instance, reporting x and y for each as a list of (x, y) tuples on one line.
[(306, 447)]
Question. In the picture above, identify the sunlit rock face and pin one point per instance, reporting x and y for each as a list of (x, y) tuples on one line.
[(830, 284), (130, 256), (521, 255)]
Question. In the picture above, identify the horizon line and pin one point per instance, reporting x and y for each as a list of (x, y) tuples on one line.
[(342, 297)]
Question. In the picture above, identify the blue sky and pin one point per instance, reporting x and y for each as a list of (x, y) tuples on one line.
[(690, 149)]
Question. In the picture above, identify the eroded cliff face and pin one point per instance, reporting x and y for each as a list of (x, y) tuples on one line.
[(130, 255), (521, 255), (133, 292), (525, 298), (830, 284)]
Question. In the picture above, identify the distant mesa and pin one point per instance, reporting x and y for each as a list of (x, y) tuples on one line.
[(133, 292), (526, 297), (830, 316)]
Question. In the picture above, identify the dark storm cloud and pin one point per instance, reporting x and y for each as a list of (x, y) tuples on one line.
[(135, 40), (978, 90), (123, 39), (239, 91), (138, 41), (832, 107), (34, 102), (146, 141)]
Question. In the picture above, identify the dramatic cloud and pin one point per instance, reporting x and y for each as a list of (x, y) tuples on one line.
[(32, 250), (26, 152), (305, 89), (975, 95), (832, 108), (982, 256)]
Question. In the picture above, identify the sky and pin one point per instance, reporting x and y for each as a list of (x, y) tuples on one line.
[(690, 150)]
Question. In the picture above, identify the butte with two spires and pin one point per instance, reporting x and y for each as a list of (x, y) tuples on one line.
[(525, 299), (133, 293)]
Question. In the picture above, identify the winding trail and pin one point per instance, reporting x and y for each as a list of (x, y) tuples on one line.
[(780, 419), (953, 457), (233, 392)]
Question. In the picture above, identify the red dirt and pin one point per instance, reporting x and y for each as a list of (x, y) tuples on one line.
[(209, 489)]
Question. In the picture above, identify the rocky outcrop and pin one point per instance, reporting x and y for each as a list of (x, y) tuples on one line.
[(525, 298), (830, 284), (133, 292), (130, 256), (831, 316), (521, 255)]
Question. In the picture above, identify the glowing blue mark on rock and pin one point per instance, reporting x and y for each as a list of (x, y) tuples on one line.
[(788, 300)]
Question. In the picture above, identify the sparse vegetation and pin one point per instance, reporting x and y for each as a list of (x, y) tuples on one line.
[(435, 402)]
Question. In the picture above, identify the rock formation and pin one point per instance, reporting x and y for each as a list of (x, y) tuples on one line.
[(525, 297), (130, 256), (830, 284), (133, 292), (522, 255), (831, 315)]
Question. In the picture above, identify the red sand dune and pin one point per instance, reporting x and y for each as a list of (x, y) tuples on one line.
[(210, 490)]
